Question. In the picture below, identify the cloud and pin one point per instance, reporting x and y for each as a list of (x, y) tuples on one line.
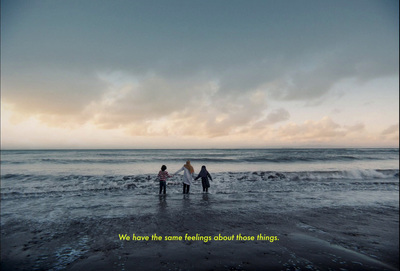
[(323, 130), (391, 130), (391, 133), (192, 70), (359, 127), (152, 105), (300, 58), (315, 76), (55, 97), (276, 116), (140, 104)]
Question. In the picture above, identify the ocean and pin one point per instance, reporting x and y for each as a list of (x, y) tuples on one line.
[(38, 179), (55, 191)]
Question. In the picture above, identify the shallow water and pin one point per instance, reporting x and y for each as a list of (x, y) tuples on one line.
[(54, 185)]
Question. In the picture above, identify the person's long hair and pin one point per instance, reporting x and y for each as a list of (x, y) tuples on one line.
[(189, 166)]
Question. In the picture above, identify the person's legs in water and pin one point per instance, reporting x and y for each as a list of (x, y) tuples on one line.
[(163, 186), (187, 189)]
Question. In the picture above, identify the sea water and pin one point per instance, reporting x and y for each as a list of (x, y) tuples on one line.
[(123, 162), (52, 185)]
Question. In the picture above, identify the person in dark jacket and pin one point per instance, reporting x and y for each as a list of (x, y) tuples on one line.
[(204, 175)]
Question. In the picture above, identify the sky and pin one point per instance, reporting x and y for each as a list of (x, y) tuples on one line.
[(199, 74)]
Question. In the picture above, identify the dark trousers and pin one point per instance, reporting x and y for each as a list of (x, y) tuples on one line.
[(186, 188), (163, 186), (205, 183)]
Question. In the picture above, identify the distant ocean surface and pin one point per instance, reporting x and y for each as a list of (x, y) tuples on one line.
[(34, 182), (123, 162)]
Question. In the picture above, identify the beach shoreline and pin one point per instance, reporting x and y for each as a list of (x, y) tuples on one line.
[(67, 210), (351, 238)]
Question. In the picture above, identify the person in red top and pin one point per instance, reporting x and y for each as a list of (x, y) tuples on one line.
[(162, 176)]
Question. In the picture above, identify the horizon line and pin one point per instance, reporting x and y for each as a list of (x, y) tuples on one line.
[(233, 148)]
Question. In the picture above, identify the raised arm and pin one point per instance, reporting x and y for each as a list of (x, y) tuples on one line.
[(178, 171)]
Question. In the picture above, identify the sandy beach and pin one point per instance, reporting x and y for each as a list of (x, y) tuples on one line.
[(345, 238)]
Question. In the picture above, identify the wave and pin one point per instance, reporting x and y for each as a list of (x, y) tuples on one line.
[(365, 174), (22, 185)]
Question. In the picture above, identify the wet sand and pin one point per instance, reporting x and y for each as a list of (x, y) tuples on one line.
[(326, 238)]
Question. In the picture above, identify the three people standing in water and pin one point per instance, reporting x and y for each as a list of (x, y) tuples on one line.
[(188, 177)]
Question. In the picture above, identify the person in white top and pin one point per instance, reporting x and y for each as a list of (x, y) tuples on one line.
[(188, 175)]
